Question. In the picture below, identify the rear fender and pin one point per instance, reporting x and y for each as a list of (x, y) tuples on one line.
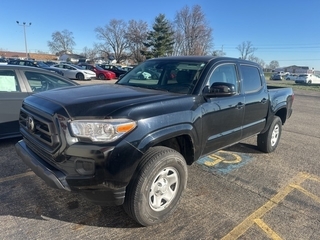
[(280, 110)]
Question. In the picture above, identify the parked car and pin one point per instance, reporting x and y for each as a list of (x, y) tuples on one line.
[(50, 63), (32, 63), (127, 68), (130, 142), (101, 73), (117, 70), (3, 61), (308, 79), (18, 82), (74, 72), (276, 76), (291, 76), (282, 73)]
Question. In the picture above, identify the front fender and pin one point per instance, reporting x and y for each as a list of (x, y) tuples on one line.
[(160, 135)]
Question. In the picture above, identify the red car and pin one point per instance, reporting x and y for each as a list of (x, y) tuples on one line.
[(101, 73)]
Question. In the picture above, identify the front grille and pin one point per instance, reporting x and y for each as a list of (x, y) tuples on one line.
[(40, 130)]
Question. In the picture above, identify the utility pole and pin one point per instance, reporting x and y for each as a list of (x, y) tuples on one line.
[(24, 25)]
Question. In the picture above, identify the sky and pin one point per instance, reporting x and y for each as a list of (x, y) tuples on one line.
[(287, 31)]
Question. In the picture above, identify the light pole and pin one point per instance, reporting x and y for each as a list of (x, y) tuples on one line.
[(24, 25)]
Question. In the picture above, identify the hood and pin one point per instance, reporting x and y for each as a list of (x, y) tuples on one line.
[(112, 100)]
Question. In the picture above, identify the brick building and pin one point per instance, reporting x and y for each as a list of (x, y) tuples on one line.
[(22, 55)]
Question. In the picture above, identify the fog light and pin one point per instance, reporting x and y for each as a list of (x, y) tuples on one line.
[(84, 166)]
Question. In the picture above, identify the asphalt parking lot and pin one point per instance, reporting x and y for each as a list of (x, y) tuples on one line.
[(238, 193)]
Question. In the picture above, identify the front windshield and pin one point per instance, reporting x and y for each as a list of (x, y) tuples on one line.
[(76, 66), (167, 75)]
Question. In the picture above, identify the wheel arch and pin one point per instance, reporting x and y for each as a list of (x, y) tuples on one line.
[(180, 138), (282, 114), (79, 73)]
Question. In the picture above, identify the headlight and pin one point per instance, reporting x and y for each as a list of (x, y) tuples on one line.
[(106, 130)]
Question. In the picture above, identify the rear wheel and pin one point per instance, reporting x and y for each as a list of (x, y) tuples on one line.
[(268, 141), (101, 76), (309, 82), (80, 76), (155, 190)]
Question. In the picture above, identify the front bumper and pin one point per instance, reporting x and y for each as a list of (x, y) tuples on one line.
[(57, 179), (301, 81), (53, 177), (89, 76)]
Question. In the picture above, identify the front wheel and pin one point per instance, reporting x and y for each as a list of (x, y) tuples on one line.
[(268, 141), (101, 76), (80, 76), (155, 190)]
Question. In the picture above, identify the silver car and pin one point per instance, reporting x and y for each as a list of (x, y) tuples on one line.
[(74, 72), (18, 82)]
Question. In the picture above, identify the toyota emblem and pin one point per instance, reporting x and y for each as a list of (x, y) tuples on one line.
[(30, 123)]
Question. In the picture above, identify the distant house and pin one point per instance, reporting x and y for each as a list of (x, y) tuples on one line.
[(74, 58), (293, 69)]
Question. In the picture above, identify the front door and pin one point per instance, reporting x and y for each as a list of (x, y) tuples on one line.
[(223, 116)]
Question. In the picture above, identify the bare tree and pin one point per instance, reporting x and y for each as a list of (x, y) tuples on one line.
[(179, 43), (218, 53), (114, 35), (273, 64), (137, 34), (246, 49), (102, 50), (192, 31), (89, 53), (62, 42), (257, 60)]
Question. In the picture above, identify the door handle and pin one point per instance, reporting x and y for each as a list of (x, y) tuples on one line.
[(264, 100), (240, 105)]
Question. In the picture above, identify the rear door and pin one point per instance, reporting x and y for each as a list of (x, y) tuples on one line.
[(12, 93), (256, 99)]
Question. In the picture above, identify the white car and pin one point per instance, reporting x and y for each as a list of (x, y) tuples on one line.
[(291, 76), (75, 72), (308, 79)]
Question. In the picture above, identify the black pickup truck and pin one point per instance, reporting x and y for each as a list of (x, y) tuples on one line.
[(129, 143)]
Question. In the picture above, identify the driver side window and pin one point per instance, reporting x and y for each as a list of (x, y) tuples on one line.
[(225, 73)]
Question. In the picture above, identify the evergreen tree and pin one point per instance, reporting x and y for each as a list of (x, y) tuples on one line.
[(159, 41)]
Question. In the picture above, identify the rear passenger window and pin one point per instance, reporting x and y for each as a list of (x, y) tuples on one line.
[(8, 81), (251, 78)]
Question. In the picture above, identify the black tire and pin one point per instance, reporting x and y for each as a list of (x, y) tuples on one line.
[(149, 197), (101, 76), (80, 76), (309, 82), (268, 141)]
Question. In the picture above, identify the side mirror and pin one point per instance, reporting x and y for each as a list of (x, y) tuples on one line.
[(220, 89)]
